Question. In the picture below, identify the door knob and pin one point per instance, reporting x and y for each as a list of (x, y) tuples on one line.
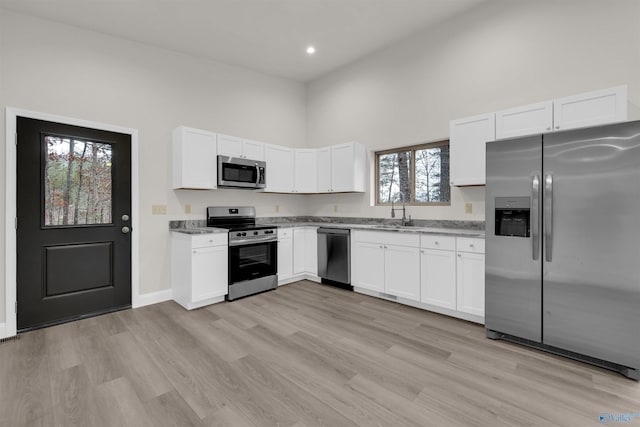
[(125, 229)]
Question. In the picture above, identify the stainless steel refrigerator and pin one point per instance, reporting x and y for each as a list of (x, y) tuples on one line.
[(563, 244)]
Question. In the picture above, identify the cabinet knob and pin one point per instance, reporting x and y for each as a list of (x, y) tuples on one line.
[(557, 127), (436, 243), (421, 252), (470, 245), (548, 127), (459, 256)]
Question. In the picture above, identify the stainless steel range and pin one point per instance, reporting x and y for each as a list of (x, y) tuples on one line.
[(253, 250)]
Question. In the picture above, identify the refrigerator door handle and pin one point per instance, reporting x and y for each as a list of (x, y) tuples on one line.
[(548, 217), (535, 222)]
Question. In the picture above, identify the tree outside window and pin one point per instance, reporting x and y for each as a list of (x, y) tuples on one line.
[(417, 175)]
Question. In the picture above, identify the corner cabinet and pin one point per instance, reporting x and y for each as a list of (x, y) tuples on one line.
[(199, 268), (279, 173), (468, 138), (194, 159), (297, 254), (342, 168), (304, 168)]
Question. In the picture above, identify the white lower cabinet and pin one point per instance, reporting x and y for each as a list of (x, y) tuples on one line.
[(402, 271), (386, 262), (297, 254), (470, 276), (367, 265), (433, 272), (452, 273), (310, 251), (438, 271), (285, 253), (199, 274)]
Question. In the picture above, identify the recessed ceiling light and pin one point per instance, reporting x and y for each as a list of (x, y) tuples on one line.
[(311, 50)]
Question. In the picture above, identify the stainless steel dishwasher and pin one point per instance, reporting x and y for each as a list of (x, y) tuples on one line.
[(334, 256)]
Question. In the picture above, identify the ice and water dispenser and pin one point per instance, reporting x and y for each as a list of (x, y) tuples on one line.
[(513, 216)]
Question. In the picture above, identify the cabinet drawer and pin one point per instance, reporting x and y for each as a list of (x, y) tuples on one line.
[(213, 239), (466, 244), (387, 238), (430, 241), (285, 233)]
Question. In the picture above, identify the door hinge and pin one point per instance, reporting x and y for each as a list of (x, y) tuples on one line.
[(16, 139), (15, 222), (16, 307)]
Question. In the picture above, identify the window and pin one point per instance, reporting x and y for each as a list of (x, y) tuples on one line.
[(417, 175)]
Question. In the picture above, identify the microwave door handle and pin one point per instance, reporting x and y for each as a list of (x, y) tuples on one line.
[(257, 175), (535, 217)]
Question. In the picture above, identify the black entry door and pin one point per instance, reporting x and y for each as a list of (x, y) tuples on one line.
[(73, 225)]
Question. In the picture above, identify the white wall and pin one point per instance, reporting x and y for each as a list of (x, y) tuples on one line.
[(499, 55), (66, 71)]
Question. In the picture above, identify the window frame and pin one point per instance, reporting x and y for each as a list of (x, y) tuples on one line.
[(412, 149)]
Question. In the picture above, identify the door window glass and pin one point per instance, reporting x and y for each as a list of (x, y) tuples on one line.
[(77, 182)]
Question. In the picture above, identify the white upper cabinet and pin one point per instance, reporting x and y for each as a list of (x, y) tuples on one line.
[(341, 168), (323, 170), (234, 146), (525, 120), (305, 167), (229, 145), (253, 150), (194, 159), (348, 167), (590, 109), (279, 173), (468, 137)]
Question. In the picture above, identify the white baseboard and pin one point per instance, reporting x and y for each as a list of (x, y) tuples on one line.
[(440, 310), (3, 330), (297, 278), (153, 298)]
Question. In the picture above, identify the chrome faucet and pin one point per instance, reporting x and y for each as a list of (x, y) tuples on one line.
[(405, 221)]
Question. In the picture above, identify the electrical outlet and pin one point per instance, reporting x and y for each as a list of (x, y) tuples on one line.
[(277, 208), (468, 208), (158, 209), (335, 208), (187, 208)]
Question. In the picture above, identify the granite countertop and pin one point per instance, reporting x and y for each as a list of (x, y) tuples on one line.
[(382, 227), (195, 227), (200, 230)]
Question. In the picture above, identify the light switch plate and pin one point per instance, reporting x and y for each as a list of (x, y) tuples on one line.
[(468, 208), (187, 208)]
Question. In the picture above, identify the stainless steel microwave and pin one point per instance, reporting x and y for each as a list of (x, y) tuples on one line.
[(235, 172)]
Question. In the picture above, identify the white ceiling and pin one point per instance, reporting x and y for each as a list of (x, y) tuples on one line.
[(269, 36)]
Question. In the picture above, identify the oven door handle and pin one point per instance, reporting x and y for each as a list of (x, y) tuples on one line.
[(245, 242)]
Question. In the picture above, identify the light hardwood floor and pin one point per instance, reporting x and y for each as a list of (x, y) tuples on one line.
[(303, 355)]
